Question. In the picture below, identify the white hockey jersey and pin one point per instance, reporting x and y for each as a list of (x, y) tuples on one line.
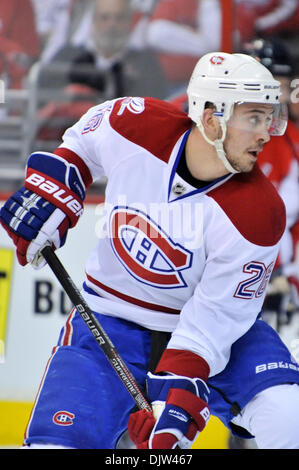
[(171, 257)]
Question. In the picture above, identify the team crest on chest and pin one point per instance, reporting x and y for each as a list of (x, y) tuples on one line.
[(146, 251)]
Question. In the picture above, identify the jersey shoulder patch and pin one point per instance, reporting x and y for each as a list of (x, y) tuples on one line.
[(254, 207), (150, 123)]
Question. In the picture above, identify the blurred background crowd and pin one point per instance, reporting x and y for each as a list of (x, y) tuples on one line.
[(60, 57)]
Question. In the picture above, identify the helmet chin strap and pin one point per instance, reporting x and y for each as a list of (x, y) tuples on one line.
[(218, 144)]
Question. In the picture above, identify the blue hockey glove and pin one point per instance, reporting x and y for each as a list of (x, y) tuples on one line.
[(41, 212)]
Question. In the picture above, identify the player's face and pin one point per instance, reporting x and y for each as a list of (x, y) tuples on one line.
[(247, 133)]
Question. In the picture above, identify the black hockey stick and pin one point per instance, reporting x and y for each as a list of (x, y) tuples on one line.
[(96, 329)]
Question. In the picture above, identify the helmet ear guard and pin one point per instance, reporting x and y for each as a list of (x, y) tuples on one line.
[(226, 80), (218, 143)]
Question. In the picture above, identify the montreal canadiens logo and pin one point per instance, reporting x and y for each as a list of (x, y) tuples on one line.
[(146, 251), (217, 59), (63, 418)]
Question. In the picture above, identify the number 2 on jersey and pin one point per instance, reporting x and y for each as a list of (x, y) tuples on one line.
[(255, 285)]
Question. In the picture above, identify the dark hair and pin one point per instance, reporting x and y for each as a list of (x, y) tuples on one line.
[(209, 105)]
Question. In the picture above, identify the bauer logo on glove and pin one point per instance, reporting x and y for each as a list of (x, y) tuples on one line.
[(59, 193), (41, 212)]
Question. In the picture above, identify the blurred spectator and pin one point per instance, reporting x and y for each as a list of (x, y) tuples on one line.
[(142, 10), (19, 41), (181, 32), (264, 18), (62, 22), (110, 63), (53, 23), (109, 66)]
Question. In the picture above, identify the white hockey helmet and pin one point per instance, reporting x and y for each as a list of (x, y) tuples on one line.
[(228, 79)]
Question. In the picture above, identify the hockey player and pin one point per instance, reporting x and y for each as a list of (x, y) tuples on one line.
[(191, 236), (279, 160)]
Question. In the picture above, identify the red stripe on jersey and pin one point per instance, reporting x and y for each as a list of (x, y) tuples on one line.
[(157, 128), (132, 300), (254, 207), (183, 362), (63, 227), (73, 158), (68, 330)]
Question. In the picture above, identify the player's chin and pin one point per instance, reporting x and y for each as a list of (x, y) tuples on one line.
[(248, 168), (247, 164)]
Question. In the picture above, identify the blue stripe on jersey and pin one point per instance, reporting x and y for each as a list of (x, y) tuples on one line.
[(199, 190), (183, 143)]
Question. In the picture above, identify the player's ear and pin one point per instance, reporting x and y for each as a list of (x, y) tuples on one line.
[(211, 124)]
